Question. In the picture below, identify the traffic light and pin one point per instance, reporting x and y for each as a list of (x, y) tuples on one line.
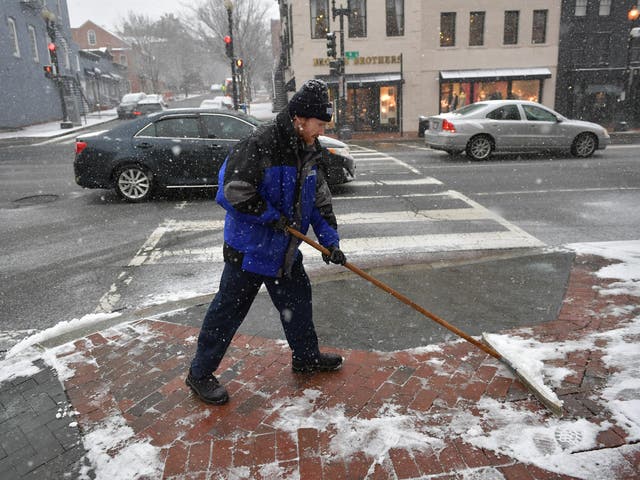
[(239, 64), (336, 67), (228, 44), (48, 71), (53, 53), (331, 44)]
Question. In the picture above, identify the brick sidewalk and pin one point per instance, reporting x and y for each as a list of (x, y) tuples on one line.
[(410, 414)]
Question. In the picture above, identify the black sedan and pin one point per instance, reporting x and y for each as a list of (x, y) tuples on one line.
[(178, 148)]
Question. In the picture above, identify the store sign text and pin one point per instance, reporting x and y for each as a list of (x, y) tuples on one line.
[(374, 60)]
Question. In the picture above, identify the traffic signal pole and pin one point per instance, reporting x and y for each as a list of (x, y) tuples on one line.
[(53, 53), (343, 131), (229, 7)]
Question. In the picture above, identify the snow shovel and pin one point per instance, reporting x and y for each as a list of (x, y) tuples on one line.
[(544, 394)]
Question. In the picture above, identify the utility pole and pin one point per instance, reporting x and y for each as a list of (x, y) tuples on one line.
[(229, 41), (344, 132)]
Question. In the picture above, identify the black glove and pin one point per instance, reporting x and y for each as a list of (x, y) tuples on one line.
[(281, 224), (336, 256)]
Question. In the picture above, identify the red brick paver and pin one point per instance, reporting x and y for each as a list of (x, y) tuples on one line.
[(137, 373)]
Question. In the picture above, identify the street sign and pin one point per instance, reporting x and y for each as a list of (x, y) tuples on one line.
[(352, 54)]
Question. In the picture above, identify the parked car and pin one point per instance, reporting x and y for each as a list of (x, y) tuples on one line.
[(217, 102), (128, 104), (481, 128), (177, 148), (149, 104)]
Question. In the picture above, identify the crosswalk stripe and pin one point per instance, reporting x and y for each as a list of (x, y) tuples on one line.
[(409, 182)]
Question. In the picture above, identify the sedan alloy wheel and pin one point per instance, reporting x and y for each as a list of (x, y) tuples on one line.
[(133, 184), (584, 145), (479, 147)]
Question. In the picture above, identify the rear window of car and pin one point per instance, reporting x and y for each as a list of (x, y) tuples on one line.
[(467, 109), (149, 107), (131, 97)]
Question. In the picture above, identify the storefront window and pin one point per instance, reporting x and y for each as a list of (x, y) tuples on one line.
[(490, 91), (388, 106), (525, 90), (454, 96)]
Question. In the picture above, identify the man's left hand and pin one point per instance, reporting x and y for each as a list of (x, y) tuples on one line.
[(336, 256)]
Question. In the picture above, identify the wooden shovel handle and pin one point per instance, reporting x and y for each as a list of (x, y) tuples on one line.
[(399, 296)]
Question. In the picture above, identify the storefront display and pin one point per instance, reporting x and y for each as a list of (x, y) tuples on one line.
[(460, 87)]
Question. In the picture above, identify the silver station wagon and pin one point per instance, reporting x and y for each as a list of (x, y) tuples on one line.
[(481, 128)]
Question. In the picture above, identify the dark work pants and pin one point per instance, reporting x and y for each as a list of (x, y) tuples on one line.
[(238, 288)]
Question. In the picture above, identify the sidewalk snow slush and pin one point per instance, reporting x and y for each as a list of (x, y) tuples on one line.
[(543, 393)]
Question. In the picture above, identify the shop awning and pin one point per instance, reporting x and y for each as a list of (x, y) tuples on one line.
[(356, 79), (495, 74)]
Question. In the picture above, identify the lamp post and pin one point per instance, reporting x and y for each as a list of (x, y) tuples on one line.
[(632, 16), (229, 6)]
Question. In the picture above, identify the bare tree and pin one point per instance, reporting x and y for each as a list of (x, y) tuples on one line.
[(138, 30), (171, 55), (251, 33)]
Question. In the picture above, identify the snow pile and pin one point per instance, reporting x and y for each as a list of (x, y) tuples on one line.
[(133, 459), (374, 436), (58, 330), (550, 443), (623, 387), (627, 272)]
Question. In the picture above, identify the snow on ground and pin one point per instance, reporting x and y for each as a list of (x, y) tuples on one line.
[(51, 129), (565, 446), (627, 271)]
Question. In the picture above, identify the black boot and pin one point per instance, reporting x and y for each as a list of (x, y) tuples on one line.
[(208, 389), (326, 362)]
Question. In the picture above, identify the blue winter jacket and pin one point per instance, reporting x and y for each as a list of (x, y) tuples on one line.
[(270, 173)]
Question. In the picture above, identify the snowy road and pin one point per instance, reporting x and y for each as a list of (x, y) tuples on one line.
[(390, 210)]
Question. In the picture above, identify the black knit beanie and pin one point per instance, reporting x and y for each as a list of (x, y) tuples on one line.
[(312, 101)]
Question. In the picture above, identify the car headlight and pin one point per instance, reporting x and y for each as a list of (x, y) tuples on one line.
[(343, 152)]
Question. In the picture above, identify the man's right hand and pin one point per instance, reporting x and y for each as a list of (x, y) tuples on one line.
[(281, 224)]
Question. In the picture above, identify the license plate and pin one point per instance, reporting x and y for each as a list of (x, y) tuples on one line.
[(435, 124)]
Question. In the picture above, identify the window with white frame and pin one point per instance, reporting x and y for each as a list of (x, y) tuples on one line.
[(581, 8), (447, 29), (357, 18), (395, 18), (13, 33), (319, 18), (123, 59), (67, 57), (511, 21), (476, 28), (539, 30), (33, 40), (605, 8), (91, 37)]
